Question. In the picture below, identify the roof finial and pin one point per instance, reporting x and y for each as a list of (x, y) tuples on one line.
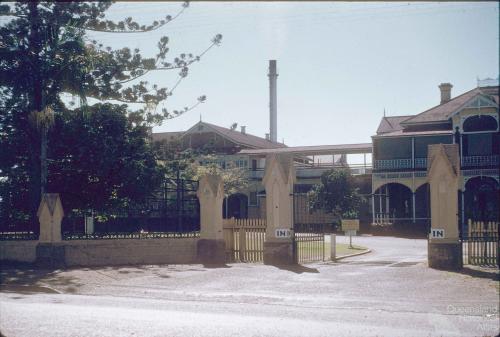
[(200, 117), (384, 112)]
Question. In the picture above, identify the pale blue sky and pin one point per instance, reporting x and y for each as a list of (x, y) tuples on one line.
[(339, 64)]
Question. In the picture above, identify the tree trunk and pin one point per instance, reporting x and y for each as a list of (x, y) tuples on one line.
[(36, 104)]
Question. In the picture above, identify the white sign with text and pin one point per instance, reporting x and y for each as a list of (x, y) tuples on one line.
[(283, 233), (437, 233)]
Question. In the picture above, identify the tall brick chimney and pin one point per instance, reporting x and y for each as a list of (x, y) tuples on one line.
[(445, 92)]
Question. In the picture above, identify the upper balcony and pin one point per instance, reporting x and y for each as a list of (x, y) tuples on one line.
[(419, 164), (480, 161), (400, 164)]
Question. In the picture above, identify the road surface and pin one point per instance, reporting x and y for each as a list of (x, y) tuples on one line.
[(389, 292)]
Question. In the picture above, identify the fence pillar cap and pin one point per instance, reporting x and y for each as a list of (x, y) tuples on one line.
[(210, 184), (53, 202)]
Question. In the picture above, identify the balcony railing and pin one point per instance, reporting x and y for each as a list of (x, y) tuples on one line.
[(393, 164), (420, 162), (477, 161)]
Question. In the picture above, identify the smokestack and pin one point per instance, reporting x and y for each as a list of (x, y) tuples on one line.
[(273, 103), (243, 129), (445, 92)]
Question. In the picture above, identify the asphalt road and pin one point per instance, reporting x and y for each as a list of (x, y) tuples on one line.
[(389, 292)]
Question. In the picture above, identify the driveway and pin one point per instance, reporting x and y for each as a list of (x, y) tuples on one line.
[(388, 292)]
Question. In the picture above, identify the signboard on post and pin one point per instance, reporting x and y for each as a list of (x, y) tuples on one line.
[(283, 233), (437, 233), (350, 224)]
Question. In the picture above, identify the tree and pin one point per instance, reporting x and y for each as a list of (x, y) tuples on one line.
[(102, 161), (336, 193), (45, 54)]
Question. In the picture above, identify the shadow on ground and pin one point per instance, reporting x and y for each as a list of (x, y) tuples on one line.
[(491, 273), (25, 278), (297, 268)]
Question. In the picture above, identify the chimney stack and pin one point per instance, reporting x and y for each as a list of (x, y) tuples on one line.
[(445, 92), (273, 104), (267, 136), (243, 129)]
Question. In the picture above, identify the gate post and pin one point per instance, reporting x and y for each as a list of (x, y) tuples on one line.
[(50, 252), (443, 174), (210, 248), (278, 180)]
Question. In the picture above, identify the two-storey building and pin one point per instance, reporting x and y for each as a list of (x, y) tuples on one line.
[(400, 192)]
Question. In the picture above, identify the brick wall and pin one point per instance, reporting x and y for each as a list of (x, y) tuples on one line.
[(108, 252), (127, 251), (18, 251)]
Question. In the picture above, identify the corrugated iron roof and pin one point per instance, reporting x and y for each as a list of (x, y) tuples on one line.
[(240, 138), (400, 133), (391, 123), (316, 149), (444, 111)]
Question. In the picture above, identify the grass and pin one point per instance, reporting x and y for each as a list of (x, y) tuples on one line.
[(314, 248), (343, 249)]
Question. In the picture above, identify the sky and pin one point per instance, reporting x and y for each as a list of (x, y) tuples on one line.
[(340, 64)]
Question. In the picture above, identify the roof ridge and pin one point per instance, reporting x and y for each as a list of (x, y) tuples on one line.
[(441, 104), (387, 121)]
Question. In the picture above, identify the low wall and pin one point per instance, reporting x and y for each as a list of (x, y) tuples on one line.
[(18, 251), (105, 252), (129, 251)]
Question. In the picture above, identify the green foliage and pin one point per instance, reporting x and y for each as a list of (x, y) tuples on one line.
[(337, 194), (235, 179), (103, 160), (97, 154)]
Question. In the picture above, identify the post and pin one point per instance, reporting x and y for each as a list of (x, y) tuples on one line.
[(413, 205), (333, 252), (443, 174), (211, 245), (243, 242), (278, 180), (373, 208), (50, 251)]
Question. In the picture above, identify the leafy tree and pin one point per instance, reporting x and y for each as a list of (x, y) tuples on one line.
[(45, 54), (104, 153), (336, 193)]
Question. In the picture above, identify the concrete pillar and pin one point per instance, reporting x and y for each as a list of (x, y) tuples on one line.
[(279, 177), (211, 246), (50, 214), (50, 252), (443, 174)]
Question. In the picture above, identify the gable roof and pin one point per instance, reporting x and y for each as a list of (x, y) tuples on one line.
[(391, 124), (442, 112), (169, 136), (238, 137)]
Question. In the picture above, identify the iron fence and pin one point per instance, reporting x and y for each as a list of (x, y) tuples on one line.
[(172, 212), (480, 245), (122, 235), (309, 228)]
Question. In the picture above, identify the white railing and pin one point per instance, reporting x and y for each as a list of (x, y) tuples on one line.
[(420, 163), (393, 164), (468, 161)]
